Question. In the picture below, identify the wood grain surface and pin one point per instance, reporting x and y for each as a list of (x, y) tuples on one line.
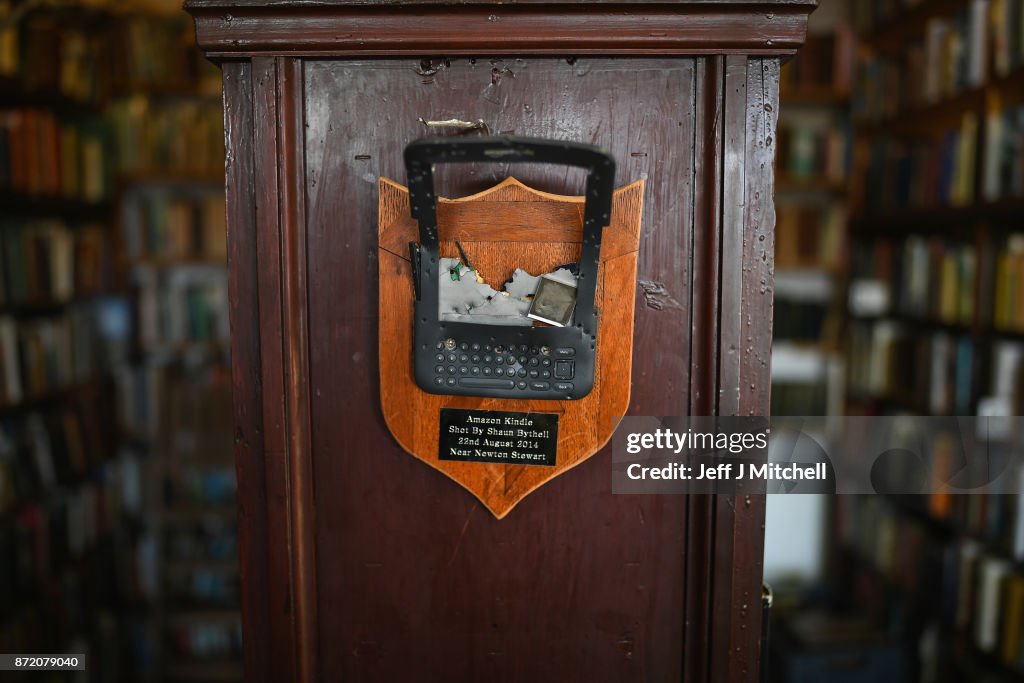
[(577, 583), (507, 227), (235, 28)]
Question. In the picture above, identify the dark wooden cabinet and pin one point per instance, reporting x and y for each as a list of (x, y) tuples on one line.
[(359, 562)]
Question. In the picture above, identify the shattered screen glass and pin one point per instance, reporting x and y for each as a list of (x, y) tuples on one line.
[(464, 296)]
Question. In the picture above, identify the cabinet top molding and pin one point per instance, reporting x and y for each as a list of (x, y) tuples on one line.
[(374, 28)]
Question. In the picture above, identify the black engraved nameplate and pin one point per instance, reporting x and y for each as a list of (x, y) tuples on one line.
[(498, 436)]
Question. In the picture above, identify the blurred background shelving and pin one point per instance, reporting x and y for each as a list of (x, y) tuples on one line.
[(812, 177), (928, 311), (114, 388)]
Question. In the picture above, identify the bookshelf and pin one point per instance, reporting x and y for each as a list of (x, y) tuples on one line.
[(933, 307), (946, 574), (939, 192), (112, 304), (175, 385), (811, 208), (70, 495)]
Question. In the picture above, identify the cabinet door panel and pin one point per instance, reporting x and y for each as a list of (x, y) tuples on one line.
[(414, 578)]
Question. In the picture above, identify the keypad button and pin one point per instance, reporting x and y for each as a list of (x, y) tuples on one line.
[(523, 348), (464, 346), (534, 362), (540, 386), (451, 381), (487, 372), (522, 372), (452, 358), (511, 360), (563, 386), (439, 369), (484, 383), (564, 369), (475, 347), (534, 350), (487, 348), (439, 358), (499, 349), (463, 358), (534, 374), (499, 371), (475, 359), (439, 380), (523, 360), (474, 370), (488, 359), (565, 352), (451, 369), (545, 362), (521, 385), (463, 370), (546, 374)]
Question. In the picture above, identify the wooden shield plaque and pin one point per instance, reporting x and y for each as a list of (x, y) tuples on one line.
[(506, 227)]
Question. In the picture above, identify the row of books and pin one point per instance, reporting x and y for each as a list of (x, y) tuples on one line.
[(997, 520), (813, 148), (49, 53), (990, 602), (157, 52), (930, 278), (46, 261), (939, 373), (171, 226), (43, 155), (941, 280), (936, 374), (54, 52), (39, 539), (981, 40), (182, 307), (879, 91), (954, 55), (825, 62), (1003, 170), (184, 410), (46, 354), (44, 450), (809, 234), (174, 136), (923, 173), (896, 545), (960, 583)]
